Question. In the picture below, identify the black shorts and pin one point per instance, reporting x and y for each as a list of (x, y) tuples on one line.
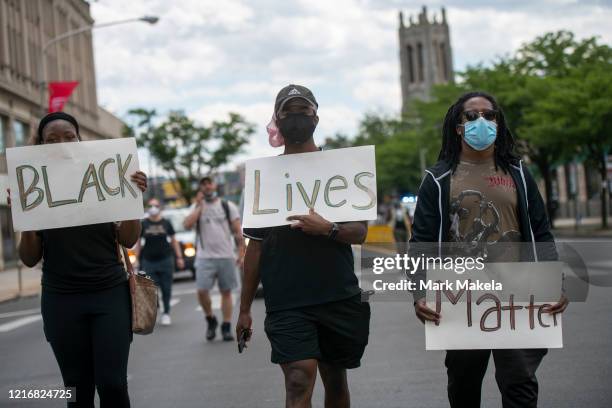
[(335, 333)]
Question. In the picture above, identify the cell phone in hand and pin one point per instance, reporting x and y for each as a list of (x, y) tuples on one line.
[(244, 335)]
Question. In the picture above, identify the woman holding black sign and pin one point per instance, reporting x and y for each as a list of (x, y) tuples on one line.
[(85, 302)]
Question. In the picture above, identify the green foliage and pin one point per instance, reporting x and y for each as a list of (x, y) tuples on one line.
[(554, 91), (187, 149)]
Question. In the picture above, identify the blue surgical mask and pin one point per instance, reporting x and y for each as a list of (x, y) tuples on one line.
[(480, 133)]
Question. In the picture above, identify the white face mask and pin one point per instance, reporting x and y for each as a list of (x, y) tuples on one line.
[(153, 211)]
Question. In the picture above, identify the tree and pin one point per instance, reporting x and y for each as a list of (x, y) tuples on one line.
[(186, 149), (541, 89), (338, 141), (576, 105), (397, 151)]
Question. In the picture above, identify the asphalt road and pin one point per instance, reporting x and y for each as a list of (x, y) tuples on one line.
[(176, 367)]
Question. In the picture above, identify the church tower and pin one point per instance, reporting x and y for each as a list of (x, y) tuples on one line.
[(425, 55)]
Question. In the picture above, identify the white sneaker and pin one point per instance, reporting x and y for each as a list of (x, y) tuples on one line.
[(165, 320)]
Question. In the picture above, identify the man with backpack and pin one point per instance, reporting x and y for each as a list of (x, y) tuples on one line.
[(217, 223)]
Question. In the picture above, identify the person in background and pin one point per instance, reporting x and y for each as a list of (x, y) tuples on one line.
[(400, 222), (158, 254), (218, 230), (85, 299)]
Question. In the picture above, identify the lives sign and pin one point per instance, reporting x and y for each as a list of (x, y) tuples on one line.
[(339, 184)]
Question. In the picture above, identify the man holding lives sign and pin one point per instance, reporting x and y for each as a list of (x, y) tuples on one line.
[(315, 318), (85, 301)]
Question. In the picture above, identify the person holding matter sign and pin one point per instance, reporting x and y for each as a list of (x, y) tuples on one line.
[(85, 301), (315, 318), (479, 197)]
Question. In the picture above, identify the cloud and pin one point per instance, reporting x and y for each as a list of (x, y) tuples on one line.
[(209, 57)]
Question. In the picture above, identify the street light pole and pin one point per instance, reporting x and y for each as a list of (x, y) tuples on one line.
[(42, 70)]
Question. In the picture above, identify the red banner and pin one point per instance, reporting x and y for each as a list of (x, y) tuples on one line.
[(59, 92)]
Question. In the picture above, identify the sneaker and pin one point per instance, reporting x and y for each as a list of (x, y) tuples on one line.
[(165, 320), (211, 331), (226, 331)]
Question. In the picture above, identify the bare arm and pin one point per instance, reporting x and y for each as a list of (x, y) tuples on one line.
[(128, 232), (30, 245), (352, 232), (251, 275), (239, 239), (30, 248), (194, 216), (180, 263), (314, 224), (176, 247), (249, 286), (137, 249)]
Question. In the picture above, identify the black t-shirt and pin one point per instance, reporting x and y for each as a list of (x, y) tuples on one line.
[(298, 269), (156, 235), (81, 259)]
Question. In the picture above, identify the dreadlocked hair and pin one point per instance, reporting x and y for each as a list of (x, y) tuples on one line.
[(451, 141)]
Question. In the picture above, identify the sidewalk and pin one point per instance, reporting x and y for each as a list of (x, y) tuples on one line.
[(588, 228), (9, 283)]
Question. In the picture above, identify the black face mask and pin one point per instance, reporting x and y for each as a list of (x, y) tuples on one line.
[(297, 128)]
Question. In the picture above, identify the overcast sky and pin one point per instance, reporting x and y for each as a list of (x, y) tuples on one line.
[(209, 57)]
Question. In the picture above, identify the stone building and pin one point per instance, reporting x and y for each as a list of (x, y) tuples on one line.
[(425, 55), (25, 27)]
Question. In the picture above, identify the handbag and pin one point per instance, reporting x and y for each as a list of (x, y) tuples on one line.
[(143, 292)]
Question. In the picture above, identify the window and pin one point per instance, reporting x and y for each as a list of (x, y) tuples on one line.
[(444, 63), (421, 62), (9, 247), (2, 134), (20, 130), (410, 64)]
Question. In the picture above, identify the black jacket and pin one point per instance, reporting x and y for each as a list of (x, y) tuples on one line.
[(432, 221)]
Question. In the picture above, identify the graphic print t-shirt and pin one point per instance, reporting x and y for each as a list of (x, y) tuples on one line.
[(156, 234), (483, 209)]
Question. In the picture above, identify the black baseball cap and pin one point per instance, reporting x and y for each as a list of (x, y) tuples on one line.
[(294, 91)]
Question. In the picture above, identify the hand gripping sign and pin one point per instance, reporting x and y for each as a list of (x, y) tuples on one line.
[(339, 184), (499, 307), (70, 184)]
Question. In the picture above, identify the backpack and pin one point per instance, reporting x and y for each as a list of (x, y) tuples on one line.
[(226, 210)]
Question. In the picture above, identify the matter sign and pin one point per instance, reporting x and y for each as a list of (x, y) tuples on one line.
[(505, 305)]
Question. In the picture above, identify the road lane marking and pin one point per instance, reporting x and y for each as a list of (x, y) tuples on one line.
[(180, 292), (19, 313), (174, 301), (6, 327)]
